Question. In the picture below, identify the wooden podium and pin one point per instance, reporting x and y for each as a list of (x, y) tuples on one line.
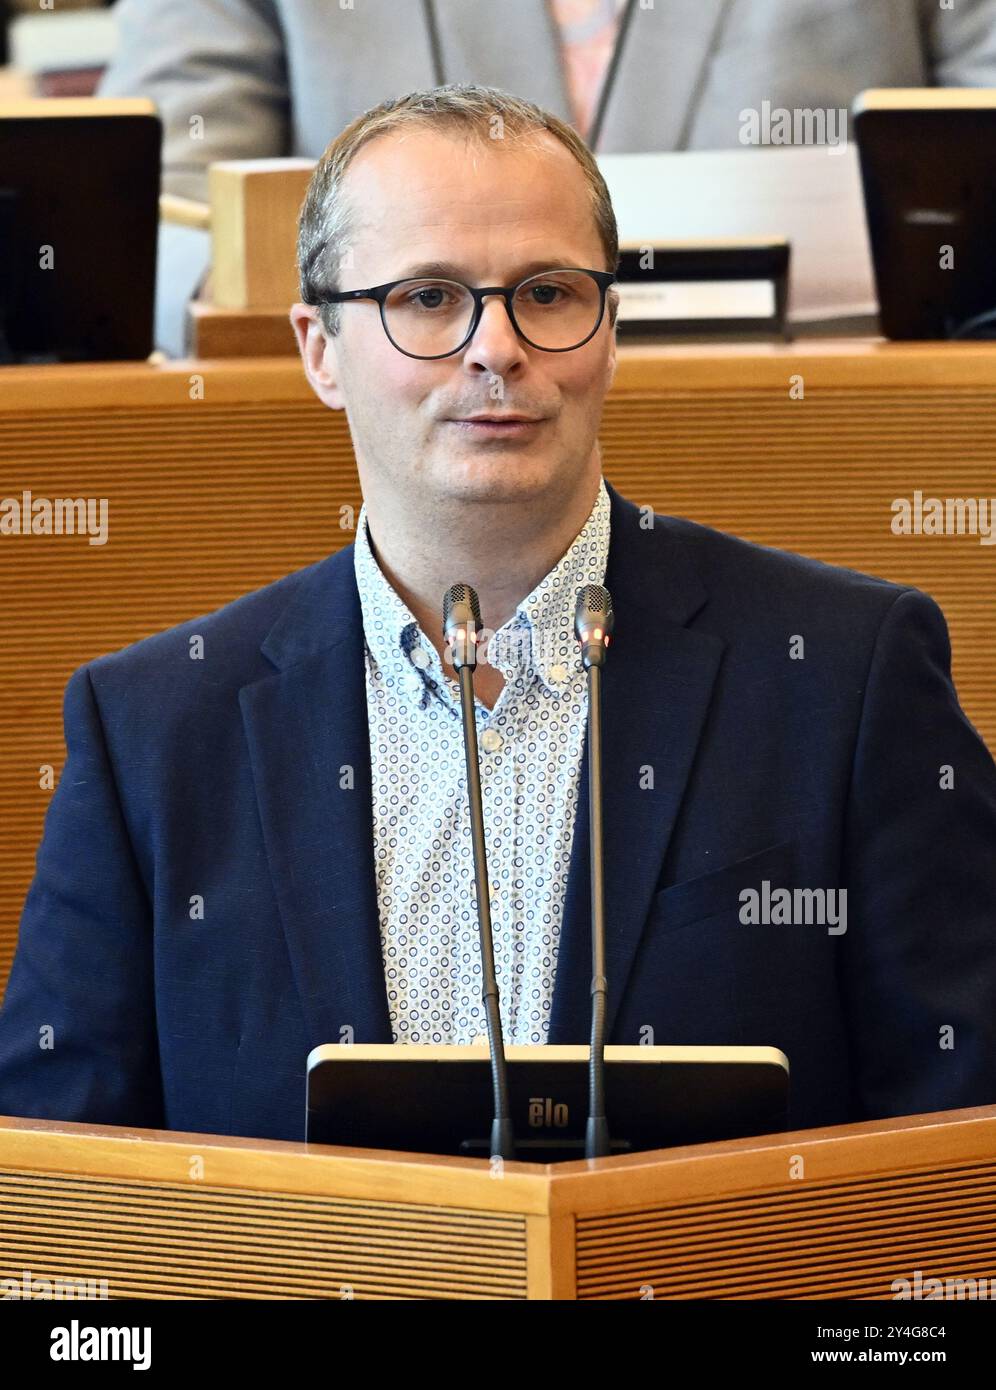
[(815, 1214)]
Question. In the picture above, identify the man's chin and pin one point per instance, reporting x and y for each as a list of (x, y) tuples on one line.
[(494, 474)]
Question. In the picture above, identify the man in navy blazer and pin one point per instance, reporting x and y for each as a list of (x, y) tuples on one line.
[(205, 909)]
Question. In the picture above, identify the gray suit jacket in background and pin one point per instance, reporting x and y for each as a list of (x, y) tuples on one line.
[(283, 77)]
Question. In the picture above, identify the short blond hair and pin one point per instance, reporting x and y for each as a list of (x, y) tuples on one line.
[(323, 226)]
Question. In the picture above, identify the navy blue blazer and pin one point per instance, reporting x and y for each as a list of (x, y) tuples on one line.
[(767, 719)]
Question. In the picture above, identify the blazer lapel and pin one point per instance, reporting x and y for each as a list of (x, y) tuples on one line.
[(513, 45), (659, 82), (307, 731), (655, 693), (516, 45)]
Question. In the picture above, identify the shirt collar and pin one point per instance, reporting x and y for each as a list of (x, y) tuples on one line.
[(538, 640)]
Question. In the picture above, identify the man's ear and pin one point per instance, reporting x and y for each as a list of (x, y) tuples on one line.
[(318, 355)]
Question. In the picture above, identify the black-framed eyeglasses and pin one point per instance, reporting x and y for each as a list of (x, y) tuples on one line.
[(556, 311)]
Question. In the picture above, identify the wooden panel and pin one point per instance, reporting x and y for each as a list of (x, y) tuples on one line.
[(215, 332), (172, 1241), (823, 1213), (223, 476), (267, 1165), (849, 1240), (820, 1214), (167, 1215), (218, 332)]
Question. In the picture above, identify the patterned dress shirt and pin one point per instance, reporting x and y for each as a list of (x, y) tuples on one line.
[(531, 747)]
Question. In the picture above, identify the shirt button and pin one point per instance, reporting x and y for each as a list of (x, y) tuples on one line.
[(420, 657), (491, 740), (558, 673)]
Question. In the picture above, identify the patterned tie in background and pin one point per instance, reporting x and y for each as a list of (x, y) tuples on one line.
[(587, 36)]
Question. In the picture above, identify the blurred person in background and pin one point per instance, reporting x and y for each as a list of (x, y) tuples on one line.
[(246, 79)]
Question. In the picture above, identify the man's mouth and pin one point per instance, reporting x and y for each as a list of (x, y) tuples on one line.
[(498, 425)]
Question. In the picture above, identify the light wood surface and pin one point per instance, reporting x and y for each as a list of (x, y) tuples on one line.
[(221, 476), (184, 212), (824, 1213), (16, 85), (21, 105), (216, 333), (254, 213)]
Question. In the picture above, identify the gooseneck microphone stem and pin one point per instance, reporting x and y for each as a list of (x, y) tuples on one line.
[(461, 629), (502, 1137), (596, 1141), (594, 622)]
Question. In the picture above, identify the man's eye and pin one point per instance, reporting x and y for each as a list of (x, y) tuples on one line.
[(545, 294), (428, 297)]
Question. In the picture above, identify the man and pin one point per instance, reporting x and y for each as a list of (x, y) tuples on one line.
[(266, 849), (245, 79)]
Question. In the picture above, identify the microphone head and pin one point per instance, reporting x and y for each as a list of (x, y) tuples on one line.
[(593, 610), (461, 624), (461, 605), (594, 620)]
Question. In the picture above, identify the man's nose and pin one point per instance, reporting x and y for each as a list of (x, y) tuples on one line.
[(495, 345)]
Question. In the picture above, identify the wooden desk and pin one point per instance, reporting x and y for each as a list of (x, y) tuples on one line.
[(222, 476), (816, 1214)]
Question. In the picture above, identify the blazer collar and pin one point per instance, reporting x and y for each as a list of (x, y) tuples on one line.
[(648, 566), (306, 726)]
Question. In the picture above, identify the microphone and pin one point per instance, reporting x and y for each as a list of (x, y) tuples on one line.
[(461, 627), (593, 623)]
